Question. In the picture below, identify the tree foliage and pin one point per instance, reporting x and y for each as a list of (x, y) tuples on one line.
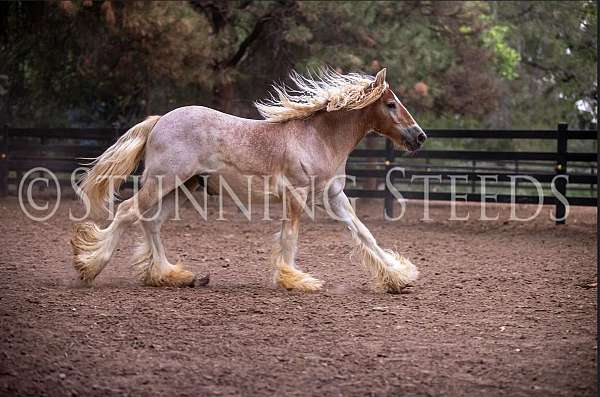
[(557, 43), (459, 64)]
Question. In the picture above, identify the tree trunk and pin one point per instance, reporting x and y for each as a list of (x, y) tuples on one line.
[(223, 92)]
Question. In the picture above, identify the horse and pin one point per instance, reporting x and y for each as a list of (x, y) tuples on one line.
[(303, 141)]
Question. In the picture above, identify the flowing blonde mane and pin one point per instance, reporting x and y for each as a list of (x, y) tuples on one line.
[(327, 90)]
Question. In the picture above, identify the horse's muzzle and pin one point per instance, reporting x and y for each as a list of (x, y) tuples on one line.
[(414, 137)]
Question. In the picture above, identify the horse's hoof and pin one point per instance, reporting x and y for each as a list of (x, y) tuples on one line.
[(86, 244), (201, 282), (291, 278), (397, 278), (180, 278), (177, 276)]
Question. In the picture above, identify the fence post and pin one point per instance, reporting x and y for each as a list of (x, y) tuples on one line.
[(388, 207), (473, 169), (4, 163), (561, 169)]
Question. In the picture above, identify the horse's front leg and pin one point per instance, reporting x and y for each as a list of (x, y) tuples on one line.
[(287, 275), (391, 271)]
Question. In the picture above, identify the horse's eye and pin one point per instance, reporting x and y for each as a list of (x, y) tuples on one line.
[(391, 105)]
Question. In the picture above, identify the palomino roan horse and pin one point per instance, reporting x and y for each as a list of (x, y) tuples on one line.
[(304, 140)]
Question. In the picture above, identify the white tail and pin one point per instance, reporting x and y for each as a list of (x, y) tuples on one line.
[(119, 160)]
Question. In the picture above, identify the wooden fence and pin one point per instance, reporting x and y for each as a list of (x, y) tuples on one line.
[(59, 150), (543, 166)]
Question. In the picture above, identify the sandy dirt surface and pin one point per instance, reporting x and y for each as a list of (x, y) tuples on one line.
[(501, 308)]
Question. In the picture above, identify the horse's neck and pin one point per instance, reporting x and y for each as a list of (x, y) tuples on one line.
[(342, 130)]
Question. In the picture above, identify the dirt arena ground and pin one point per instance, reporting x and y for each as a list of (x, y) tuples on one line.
[(501, 308)]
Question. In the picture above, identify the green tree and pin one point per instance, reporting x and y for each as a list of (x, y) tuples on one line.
[(557, 44), (454, 64)]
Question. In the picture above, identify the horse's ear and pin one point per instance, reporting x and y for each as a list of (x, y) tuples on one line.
[(380, 78)]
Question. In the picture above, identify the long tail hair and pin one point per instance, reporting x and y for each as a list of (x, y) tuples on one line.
[(119, 160)]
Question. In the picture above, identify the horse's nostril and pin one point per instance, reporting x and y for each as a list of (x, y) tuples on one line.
[(421, 137)]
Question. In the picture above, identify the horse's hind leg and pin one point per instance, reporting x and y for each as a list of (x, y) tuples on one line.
[(150, 256), (93, 247), (287, 275)]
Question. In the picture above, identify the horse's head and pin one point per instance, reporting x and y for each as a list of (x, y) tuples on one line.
[(393, 120)]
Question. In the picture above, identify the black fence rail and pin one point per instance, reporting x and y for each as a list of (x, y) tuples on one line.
[(579, 167), (61, 151)]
